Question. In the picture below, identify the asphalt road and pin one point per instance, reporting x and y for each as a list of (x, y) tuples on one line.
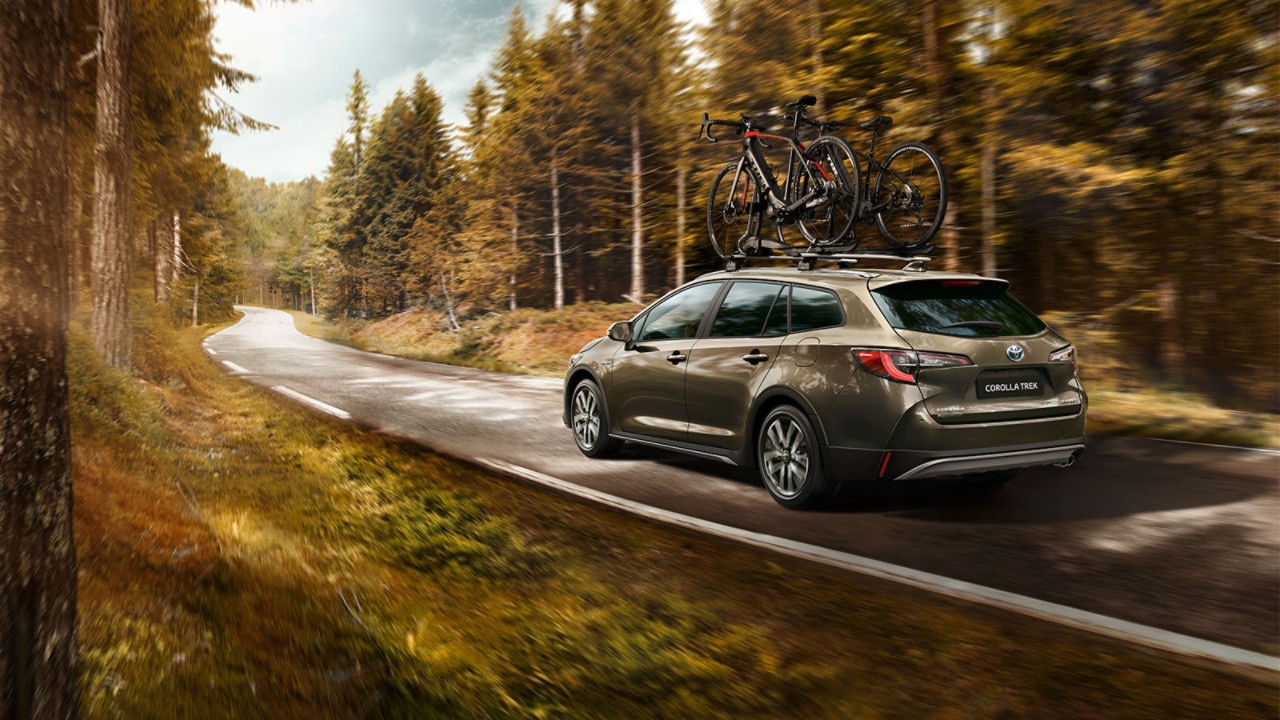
[(1177, 536)]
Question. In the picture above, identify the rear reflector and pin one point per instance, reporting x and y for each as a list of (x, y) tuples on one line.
[(884, 465)]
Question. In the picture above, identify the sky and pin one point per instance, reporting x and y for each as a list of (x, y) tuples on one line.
[(304, 55)]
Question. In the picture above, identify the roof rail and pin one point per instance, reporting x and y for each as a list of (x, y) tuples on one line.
[(806, 261)]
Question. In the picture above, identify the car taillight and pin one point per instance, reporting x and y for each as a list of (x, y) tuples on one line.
[(1066, 354), (902, 365)]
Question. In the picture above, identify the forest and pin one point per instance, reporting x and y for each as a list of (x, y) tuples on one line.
[(1116, 162)]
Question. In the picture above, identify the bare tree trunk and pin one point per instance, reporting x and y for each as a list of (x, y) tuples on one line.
[(195, 302), (681, 175), (112, 211), (556, 246), (74, 221), (637, 222), (580, 263), (1172, 353), (988, 169), (937, 69), (448, 305), (175, 267), (311, 278), (164, 260), (515, 248), (815, 37), (37, 546)]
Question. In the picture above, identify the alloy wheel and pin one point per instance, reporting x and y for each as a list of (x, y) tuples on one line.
[(785, 457), (586, 418)]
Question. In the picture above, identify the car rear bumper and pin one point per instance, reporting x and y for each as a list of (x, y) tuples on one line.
[(923, 468), (856, 464)]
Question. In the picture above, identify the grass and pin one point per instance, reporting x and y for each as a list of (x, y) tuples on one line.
[(539, 342), (240, 557), (528, 340)]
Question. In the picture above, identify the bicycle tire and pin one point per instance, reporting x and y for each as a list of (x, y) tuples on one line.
[(831, 220), (728, 217), (911, 190)]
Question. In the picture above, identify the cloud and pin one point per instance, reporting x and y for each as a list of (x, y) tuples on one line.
[(305, 53)]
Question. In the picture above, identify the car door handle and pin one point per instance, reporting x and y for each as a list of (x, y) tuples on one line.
[(677, 357), (755, 357)]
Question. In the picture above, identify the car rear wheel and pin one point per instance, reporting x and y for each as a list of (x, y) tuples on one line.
[(790, 460), (590, 422)]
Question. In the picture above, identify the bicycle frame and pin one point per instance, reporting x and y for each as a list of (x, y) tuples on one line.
[(766, 183)]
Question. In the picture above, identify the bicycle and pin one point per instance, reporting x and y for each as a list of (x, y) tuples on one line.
[(909, 198), (907, 201), (819, 193)]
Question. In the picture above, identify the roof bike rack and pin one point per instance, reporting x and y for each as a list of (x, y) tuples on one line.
[(806, 261)]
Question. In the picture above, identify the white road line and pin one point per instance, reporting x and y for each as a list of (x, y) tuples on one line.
[(321, 406), (1093, 622), (210, 350), (234, 367), (1267, 451)]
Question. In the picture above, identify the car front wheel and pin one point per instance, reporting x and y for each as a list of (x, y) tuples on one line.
[(790, 460), (590, 421)]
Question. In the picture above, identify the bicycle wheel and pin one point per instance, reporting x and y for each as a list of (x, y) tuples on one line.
[(729, 208), (828, 218), (910, 196)]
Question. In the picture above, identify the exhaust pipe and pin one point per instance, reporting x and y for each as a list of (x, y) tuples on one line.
[(1071, 460)]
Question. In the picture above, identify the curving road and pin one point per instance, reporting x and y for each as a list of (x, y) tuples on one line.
[(1180, 537)]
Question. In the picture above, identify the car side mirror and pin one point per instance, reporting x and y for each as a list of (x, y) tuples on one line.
[(620, 332)]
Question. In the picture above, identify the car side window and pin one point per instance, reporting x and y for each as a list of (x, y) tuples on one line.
[(812, 308), (745, 308), (679, 315)]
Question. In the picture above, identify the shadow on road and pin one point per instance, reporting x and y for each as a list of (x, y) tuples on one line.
[(1117, 477)]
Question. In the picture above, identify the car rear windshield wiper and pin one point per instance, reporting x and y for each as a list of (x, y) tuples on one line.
[(976, 324)]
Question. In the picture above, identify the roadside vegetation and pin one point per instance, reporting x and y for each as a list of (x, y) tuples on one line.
[(539, 342), (241, 557)]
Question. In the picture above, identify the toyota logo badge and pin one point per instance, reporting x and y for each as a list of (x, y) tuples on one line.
[(1015, 353)]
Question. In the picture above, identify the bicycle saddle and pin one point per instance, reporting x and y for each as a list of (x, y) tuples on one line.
[(881, 122)]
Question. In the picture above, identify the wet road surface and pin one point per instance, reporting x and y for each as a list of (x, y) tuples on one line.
[(1181, 537)]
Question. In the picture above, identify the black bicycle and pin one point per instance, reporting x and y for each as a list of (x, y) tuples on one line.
[(819, 192), (908, 199)]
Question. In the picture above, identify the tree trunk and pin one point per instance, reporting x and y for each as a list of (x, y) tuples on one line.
[(195, 302), (815, 37), (637, 222), (311, 279), (938, 79), (988, 169), (681, 176), (37, 548), (74, 221), (1172, 353), (448, 305), (556, 245), (112, 208), (515, 248), (164, 259)]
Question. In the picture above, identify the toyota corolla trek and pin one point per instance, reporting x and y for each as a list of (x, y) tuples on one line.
[(823, 377)]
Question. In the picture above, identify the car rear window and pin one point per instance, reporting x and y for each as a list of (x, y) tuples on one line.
[(965, 308)]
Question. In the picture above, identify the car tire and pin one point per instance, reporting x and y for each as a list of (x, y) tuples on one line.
[(589, 420), (789, 460)]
